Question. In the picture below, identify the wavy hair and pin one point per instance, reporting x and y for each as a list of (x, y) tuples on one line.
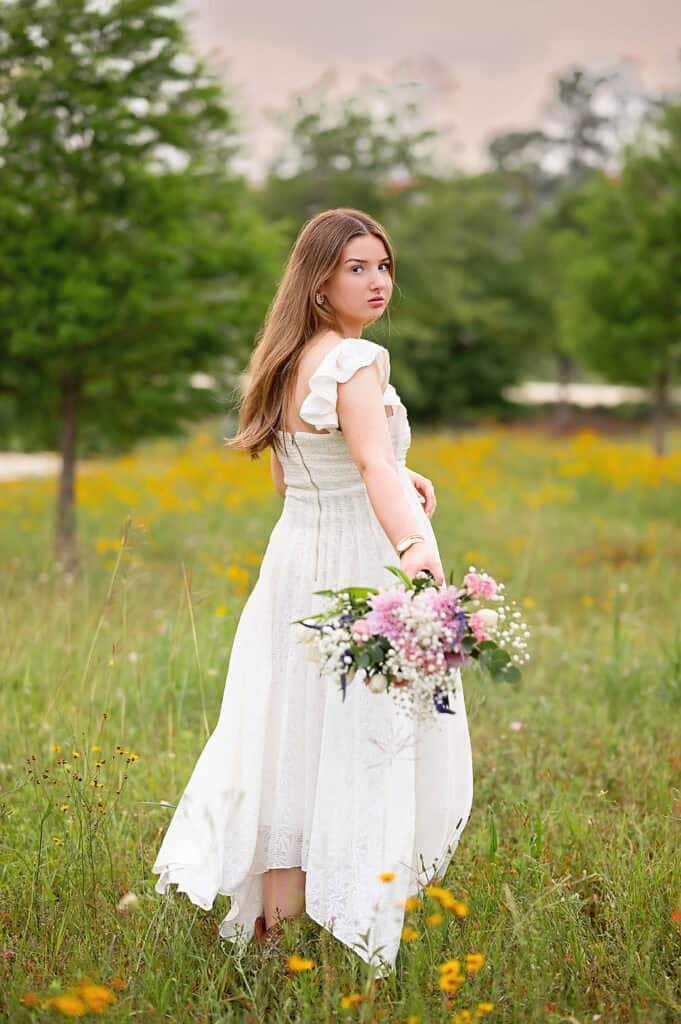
[(292, 319)]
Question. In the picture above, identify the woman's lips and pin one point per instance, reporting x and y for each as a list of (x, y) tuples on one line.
[(376, 302)]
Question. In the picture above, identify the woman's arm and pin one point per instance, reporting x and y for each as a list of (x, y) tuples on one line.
[(425, 490), (362, 418), (277, 473)]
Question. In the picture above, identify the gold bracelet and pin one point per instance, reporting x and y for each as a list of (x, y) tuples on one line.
[(406, 542)]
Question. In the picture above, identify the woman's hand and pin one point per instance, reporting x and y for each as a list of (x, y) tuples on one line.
[(425, 488), (421, 556)]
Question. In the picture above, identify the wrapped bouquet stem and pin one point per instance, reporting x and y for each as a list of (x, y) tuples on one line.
[(412, 638)]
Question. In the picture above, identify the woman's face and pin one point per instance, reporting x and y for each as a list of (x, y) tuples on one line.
[(360, 287)]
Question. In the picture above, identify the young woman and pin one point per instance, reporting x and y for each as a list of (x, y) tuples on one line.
[(300, 801)]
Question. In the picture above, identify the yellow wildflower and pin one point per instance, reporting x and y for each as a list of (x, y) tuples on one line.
[(95, 749), (456, 906), (117, 983), (133, 757), (474, 961), (56, 748), (409, 934), (387, 876), (351, 1001), (451, 979), (462, 1017), (413, 1018), (57, 841), (64, 807), (75, 754), (299, 963), (437, 892), (31, 999), (70, 1006), (484, 1008), (221, 611), (451, 982), (434, 919), (96, 997), (412, 902)]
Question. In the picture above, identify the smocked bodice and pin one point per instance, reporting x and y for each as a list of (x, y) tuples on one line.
[(313, 462)]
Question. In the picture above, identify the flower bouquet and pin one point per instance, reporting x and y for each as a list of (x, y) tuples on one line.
[(411, 639)]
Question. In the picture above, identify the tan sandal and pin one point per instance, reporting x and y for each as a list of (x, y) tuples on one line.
[(265, 936)]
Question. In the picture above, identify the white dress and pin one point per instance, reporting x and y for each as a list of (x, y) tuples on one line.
[(292, 775)]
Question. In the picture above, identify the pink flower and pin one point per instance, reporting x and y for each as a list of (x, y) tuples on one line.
[(480, 586), (360, 630), (515, 726), (383, 619), (477, 624)]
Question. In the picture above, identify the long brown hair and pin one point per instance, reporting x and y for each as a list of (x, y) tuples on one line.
[(292, 319)]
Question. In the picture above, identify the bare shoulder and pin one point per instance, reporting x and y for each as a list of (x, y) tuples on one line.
[(317, 347), (323, 342)]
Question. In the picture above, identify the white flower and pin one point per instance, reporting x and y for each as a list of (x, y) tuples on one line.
[(378, 683), (127, 901), (488, 617), (303, 634)]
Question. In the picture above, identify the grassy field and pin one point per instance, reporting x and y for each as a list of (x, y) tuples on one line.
[(570, 865)]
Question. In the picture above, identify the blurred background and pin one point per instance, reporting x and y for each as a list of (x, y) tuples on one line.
[(157, 161)]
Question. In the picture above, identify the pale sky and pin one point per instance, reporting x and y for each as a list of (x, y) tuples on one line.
[(495, 60)]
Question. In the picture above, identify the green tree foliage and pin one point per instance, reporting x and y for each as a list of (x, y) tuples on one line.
[(583, 126), (129, 257), (620, 308), (369, 150), (467, 324)]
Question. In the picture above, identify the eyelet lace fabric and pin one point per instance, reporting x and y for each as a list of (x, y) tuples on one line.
[(291, 774)]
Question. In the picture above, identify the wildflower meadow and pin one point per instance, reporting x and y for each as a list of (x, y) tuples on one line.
[(563, 900)]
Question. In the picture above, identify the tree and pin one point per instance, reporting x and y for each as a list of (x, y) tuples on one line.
[(129, 257), (620, 309), (584, 126), (371, 150), (465, 325)]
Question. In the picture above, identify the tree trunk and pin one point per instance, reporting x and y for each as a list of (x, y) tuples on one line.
[(562, 416), (65, 538), (660, 409)]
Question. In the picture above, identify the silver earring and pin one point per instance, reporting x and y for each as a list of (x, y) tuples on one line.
[(319, 299)]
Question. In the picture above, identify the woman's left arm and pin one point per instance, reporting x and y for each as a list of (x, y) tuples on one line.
[(277, 473), (425, 489)]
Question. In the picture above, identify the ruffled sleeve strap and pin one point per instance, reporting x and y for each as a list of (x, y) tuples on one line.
[(336, 367)]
